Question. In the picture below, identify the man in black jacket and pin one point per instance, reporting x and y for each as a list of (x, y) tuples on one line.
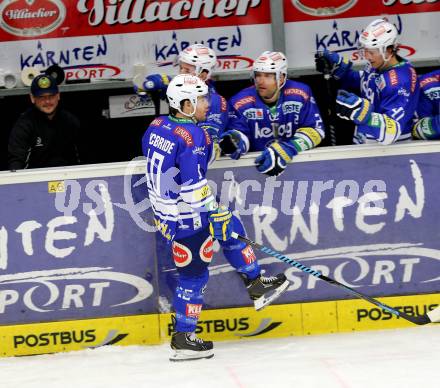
[(45, 135)]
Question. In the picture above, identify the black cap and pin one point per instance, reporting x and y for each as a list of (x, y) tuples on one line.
[(43, 84)]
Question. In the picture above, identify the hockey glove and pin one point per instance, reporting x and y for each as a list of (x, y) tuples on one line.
[(273, 160), (213, 133), (233, 143), (220, 225), (327, 62), (351, 107), (427, 128), (154, 82)]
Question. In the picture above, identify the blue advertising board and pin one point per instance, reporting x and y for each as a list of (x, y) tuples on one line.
[(69, 249), (78, 243), (370, 222)]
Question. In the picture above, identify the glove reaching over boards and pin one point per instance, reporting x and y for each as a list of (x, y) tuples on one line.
[(233, 143), (273, 160)]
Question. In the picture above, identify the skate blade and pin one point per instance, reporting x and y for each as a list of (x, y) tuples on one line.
[(264, 300), (189, 355)]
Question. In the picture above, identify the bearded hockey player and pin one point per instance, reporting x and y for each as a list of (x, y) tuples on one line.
[(276, 116)]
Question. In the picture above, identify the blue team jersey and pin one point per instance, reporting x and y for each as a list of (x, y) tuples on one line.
[(429, 101), (393, 94), (178, 153), (295, 108)]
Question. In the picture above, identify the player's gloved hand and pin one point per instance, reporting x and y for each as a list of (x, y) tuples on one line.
[(220, 225), (213, 133), (156, 82), (328, 62), (427, 128), (153, 82), (232, 143), (273, 160), (352, 107)]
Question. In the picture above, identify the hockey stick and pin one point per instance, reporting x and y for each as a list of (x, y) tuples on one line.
[(432, 316), (330, 112), (325, 67)]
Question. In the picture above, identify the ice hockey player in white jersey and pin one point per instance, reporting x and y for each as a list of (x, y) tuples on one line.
[(386, 91), (427, 126), (276, 116)]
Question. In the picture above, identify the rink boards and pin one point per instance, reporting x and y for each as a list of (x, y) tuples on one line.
[(217, 325), (81, 267)]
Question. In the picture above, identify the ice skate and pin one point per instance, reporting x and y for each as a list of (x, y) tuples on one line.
[(187, 346), (264, 290)]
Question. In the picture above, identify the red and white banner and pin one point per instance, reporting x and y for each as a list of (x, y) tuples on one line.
[(104, 39), (335, 25), (41, 19), (301, 10)]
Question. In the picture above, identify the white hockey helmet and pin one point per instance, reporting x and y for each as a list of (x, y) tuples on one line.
[(271, 62), (379, 34), (185, 87), (200, 56)]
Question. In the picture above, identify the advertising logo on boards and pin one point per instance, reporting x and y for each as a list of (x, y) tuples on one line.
[(31, 18)]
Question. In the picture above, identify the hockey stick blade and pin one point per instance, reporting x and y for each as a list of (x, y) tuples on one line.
[(432, 316)]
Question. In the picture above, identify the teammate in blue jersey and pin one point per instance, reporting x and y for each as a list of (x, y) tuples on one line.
[(199, 60), (388, 87), (427, 126), (276, 116)]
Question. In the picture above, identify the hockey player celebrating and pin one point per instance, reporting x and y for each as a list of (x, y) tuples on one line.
[(185, 212), (199, 60), (276, 116), (388, 87), (427, 126)]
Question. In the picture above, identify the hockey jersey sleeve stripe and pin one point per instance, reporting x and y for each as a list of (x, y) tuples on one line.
[(192, 187), (199, 196), (306, 138)]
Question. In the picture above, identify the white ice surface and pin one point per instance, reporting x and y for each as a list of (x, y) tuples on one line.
[(392, 358)]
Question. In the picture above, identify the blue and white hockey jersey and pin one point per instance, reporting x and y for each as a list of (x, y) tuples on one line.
[(393, 94), (261, 124), (429, 102), (178, 153), (427, 125)]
